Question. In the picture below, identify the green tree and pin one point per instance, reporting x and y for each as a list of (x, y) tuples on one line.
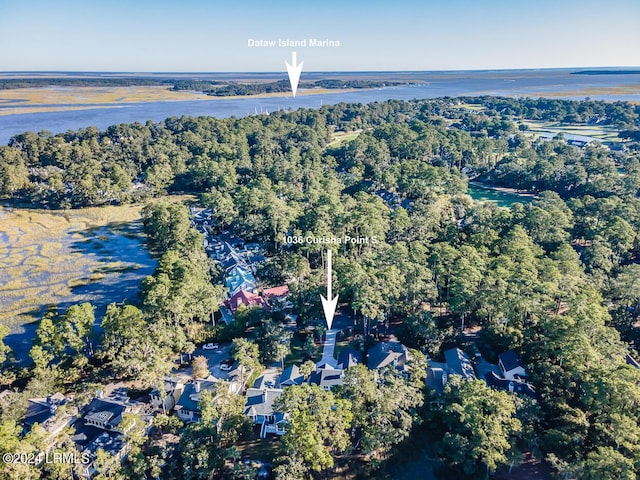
[(317, 424)]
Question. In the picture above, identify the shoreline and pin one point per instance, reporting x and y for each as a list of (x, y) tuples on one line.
[(41, 100)]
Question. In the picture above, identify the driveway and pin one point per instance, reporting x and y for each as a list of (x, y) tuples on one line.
[(214, 357)]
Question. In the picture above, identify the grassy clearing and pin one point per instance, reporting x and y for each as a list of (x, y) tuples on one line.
[(340, 138), (40, 263), (603, 133)]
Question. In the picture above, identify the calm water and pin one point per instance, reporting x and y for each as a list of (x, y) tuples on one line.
[(117, 285), (533, 83)]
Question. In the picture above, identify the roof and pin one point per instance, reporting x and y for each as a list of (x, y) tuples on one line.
[(326, 377), (498, 383), (245, 298), (291, 376), (190, 398), (349, 358), (260, 401), (106, 411), (459, 363), (510, 360), (386, 353), (110, 443), (632, 361), (436, 378), (275, 292)]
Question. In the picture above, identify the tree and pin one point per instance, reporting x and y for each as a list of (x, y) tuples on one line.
[(605, 463), (200, 367), (316, 427), (247, 355), (478, 426), (274, 341)]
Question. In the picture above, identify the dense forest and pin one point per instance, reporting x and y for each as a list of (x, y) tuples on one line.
[(556, 279)]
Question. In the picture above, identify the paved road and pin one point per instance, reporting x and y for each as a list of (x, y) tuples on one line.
[(329, 347)]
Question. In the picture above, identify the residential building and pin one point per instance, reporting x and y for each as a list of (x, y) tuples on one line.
[(458, 363), (511, 365), (388, 353), (187, 407), (327, 377), (291, 376), (259, 409)]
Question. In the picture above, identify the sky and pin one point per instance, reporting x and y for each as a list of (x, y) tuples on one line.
[(212, 35)]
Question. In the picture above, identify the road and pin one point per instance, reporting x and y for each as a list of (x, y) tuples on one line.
[(342, 321)]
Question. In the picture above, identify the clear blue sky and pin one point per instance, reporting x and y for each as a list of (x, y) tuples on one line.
[(211, 35)]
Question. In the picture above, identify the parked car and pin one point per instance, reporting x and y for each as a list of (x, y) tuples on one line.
[(210, 346), (226, 364)]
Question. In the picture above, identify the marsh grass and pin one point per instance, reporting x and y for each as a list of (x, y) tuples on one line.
[(40, 263)]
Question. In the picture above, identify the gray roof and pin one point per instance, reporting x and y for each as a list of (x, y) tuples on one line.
[(326, 377), (386, 353), (349, 358), (498, 383), (189, 398), (291, 376), (459, 363), (260, 401)]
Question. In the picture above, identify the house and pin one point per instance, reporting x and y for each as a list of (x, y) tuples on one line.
[(45, 412), (348, 358), (436, 378), (291, 376), (458, 363), (107, 413), (115, 446), (327, 377), (240, 278), (187, 407), (275, 292), (510, 365), (517, 386), (165, 399), (246, 299), (259, 409), (388, 353)]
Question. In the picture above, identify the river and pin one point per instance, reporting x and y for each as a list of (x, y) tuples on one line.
[(534, 83)]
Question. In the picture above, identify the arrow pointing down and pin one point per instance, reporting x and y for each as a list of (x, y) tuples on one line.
[(294, 72), (329, 306)]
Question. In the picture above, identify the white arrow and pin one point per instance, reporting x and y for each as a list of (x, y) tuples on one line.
[(294, 72), (329, 306)]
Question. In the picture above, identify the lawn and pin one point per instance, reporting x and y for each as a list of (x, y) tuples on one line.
[(604, 133), (340, 138), (298, 355)]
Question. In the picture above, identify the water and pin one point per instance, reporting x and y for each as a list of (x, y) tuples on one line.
[(532, 83), (107, 245)]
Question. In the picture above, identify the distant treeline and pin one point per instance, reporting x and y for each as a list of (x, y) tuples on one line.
[(210, 87), (9, 83), (222, 89)]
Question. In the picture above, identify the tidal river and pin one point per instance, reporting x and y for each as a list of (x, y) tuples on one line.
[(534, 83)]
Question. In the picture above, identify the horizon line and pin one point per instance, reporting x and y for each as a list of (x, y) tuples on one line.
[(195, 72)]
